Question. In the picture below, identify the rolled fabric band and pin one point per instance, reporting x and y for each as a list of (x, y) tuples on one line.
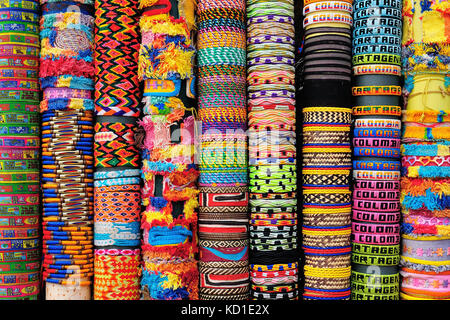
[(367, 216), (386, 206), (376, 239)]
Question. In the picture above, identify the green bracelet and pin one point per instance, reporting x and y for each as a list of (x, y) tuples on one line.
[(273, 175), (9, 129), (273, 168), (273, 182), (287, 11), (29, 187), (19, 210), (367, 296), (375, 278), (19, 267), (19, 165), (375, 250), (272, 189), (273, 203), (376, 289), (370, 260)]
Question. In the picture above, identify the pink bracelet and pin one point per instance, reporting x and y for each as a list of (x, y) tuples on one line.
[(376, 175), (371, 142), (367, 238), (433, 283), (66, 93), (372, 205), (376, 194), (391, 217), (430, 221), (375, 228), (378, 185)]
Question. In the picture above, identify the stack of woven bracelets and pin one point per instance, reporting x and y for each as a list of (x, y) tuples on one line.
[(376, 141), (223, 217), (169, 222), (326, 101), (19, 150), (117, 198), (272, 172), (66, 77), (425, 195)]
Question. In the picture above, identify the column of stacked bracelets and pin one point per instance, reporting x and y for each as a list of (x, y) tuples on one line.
[(326, 149), (19, 150), (223, 218), (169, 222), (271, 121), (376, 165), (117, 198), (425, 196), (66, 77)]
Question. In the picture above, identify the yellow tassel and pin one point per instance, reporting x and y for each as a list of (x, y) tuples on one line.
[(186, 9), (147, 3)]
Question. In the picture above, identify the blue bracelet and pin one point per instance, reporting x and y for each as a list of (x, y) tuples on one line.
[(376, 48), (378, 22), (376, 133), (376, 165), (377, 30), (377, 11), (99, 175), (377, 40), (364, 4), (377, 152), (117, 182)]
